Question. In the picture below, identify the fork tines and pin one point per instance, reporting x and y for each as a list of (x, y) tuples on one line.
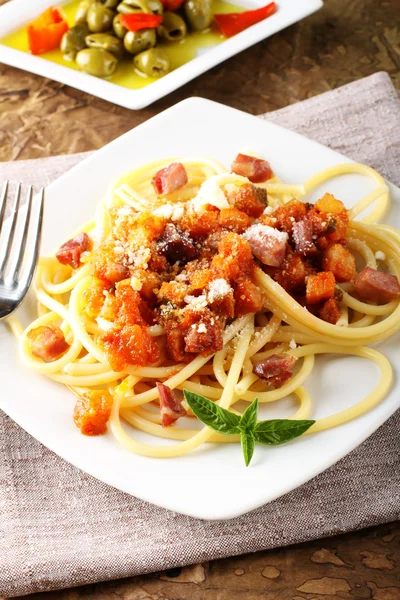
[(15, 233)]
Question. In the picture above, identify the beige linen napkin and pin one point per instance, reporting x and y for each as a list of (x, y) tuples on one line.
[(60, 527)]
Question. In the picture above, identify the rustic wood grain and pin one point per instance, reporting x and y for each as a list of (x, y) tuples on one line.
[(343, 42)]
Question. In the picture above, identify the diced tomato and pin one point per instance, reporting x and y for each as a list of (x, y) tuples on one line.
[(174, 292), (285, 216), (330, 311), (94, 297), (235, 219), (233, 23), (47, 342), (234, 257), (329, 204), (92, 411), (248, 198), (129, 345), (199, 225), (340, 261), (319, 287), (45, 33), (292, 275), (248, 298)]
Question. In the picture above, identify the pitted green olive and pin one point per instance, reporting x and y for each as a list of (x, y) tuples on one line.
[(153, 62), (99, 18), (73, 41), (82, 11), (125, 9), (173, 28), (155, 6), (147, 6), (118, 28), (198, 14), (97, 62), (107, 42), (138, 41)]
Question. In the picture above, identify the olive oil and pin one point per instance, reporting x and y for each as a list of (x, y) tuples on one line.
[(125, 75)]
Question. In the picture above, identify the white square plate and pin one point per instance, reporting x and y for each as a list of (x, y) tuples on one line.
[(212, 482), (18, 13)]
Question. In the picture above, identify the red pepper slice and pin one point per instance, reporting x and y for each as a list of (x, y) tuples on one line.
[(45, 33), (233, 23), (136, 21)]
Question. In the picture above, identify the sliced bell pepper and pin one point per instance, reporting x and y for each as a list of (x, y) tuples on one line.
[(45, 33), (172, 4), (232, 23), (136, 21)]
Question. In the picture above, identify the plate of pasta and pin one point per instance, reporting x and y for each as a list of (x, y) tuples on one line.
[(209, 288)]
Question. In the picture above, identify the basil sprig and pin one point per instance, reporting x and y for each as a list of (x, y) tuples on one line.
[(251, 431)]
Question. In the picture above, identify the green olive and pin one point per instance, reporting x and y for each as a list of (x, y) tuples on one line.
[(107, 42), (110, 3), (153, 62), (125, 9), (173, 28), (155, 6), (99, 18), (137, 41), (198, 13), (82, 11), (147, 6), (119, 29), (97, 62), (73, 41)]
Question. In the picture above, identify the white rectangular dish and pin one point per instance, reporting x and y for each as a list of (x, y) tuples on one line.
[(211, 482), (18, 13)]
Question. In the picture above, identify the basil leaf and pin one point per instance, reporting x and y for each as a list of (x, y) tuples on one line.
[(212, 415), (249, 418), (279, 431), (247, 440)]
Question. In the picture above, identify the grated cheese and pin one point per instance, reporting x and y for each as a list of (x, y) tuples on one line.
[(218, 289), (210, 193), (379, 255), (260, 232), (196, 301)]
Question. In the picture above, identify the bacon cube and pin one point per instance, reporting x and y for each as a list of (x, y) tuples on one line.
[(170, 179), (267, 244), (375, 286), (255, 169)]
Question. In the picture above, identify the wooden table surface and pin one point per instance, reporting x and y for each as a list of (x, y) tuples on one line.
[(346, 40)]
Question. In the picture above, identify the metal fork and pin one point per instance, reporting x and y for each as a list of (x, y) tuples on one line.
[(16, 275)]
